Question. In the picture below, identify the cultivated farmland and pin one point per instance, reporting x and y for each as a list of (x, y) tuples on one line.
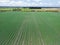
[(29, 28)]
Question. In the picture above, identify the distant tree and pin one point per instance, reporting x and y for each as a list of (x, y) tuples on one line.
[(16, 9), (35, 7)]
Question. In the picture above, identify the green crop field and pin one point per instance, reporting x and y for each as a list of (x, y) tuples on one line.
[(29, 28)]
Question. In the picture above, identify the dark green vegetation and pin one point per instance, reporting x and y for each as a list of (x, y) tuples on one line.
[(29, 28), (33, 9)]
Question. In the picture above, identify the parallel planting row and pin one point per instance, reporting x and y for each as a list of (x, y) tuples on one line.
[(29, 28)]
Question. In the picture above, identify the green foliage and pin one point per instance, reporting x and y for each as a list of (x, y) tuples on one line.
[(17, 9), (4, 10), (28, 10)]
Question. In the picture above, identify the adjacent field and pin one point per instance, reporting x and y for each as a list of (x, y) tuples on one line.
[(29, 28)]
